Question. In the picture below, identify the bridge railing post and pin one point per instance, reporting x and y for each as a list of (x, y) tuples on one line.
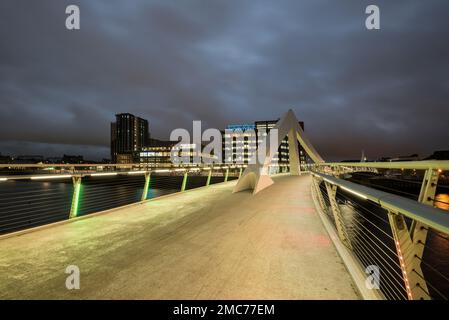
[(316, 184), (76, 197), (412, 274), (419, 230), (338, 217), (411, 244), (146, 187)]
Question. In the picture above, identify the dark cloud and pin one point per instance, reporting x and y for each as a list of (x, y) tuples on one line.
[(225, 62)]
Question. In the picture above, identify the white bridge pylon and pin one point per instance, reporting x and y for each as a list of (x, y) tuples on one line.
[(256, 175)]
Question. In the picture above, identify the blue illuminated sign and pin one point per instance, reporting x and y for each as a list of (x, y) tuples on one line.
[(241, 127)]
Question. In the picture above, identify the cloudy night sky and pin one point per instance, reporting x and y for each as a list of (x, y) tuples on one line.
[(225, 62)]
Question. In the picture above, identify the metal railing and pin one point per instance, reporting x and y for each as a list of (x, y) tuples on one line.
[(30, 198), (403, 235)]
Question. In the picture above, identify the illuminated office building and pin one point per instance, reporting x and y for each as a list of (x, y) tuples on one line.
[(158, 154), (240, 143)]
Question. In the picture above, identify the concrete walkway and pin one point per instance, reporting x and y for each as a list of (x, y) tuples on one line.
[(202, 244)]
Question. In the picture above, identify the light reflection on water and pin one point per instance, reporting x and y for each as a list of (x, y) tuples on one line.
[(442, 201)]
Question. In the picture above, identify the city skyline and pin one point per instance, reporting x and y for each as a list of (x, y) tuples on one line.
[(385, 91), (126, 145)]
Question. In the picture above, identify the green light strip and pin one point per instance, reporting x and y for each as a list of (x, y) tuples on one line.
[(208, 178), (76, 199), (184, 182), (147, 185)]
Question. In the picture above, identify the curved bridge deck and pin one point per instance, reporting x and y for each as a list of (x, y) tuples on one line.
[(202, 244)]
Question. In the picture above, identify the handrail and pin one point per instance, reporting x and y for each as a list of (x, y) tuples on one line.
[(418, 165), (105, 173), (436, 218), (130, 169), (44, 165), (117, 165)]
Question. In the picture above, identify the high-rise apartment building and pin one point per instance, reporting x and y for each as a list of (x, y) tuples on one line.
[(129, 134)]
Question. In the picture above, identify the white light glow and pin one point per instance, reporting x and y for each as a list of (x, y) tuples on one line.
[(354, 192), (136, 172), (162, 170), (62, 176), (103, 174), (3, 179)]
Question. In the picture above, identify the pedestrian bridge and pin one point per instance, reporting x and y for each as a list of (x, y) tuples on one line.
[(206, 243), (375, 230)]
